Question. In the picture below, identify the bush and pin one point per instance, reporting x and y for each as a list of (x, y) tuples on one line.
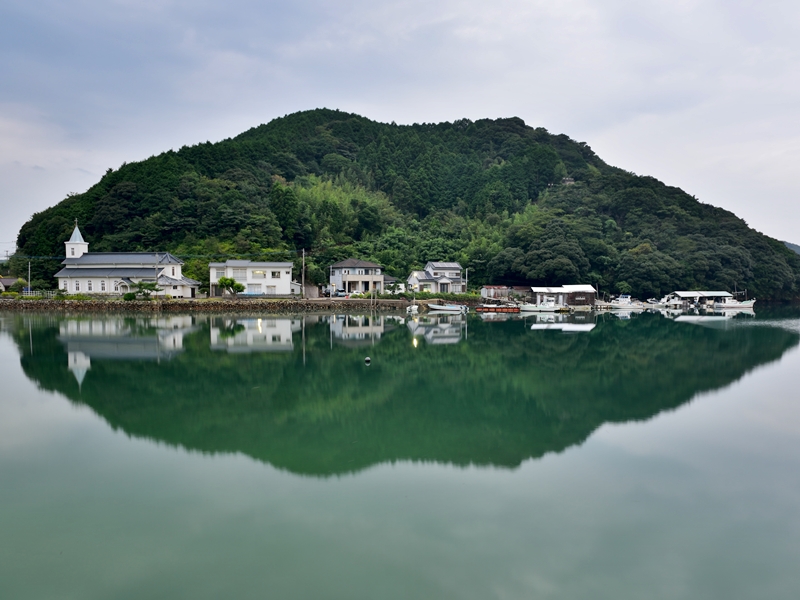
[(9, 295), (130, 296)]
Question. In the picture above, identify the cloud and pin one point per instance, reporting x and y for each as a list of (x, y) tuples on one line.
[(701, 94)]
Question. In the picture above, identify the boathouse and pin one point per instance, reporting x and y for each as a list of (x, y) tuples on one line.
[(571, 296)]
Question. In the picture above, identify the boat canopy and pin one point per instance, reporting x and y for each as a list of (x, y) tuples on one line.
[(703, 294), (564, 289)]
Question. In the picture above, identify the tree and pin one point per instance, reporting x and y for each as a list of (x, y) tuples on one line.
[(145, 288), (230, 285), (18, 286)]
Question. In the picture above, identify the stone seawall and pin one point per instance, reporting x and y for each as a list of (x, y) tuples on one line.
[(203, 306)]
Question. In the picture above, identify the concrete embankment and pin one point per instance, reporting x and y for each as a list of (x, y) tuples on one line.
[(204, 306)]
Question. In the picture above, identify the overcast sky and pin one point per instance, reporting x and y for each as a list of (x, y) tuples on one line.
[(704, 95)]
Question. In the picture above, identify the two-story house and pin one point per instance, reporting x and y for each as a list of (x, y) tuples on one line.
[(109, 273), (356, 276), (438, 277), (258, 278)]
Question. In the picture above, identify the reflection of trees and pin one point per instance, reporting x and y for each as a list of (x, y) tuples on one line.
[(506, 395)]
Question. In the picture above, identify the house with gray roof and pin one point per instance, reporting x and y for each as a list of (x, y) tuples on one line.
[(438, 277), (116, 273), (356, 276)]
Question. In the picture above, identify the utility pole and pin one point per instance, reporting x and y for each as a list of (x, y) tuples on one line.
[(29, 276), (303, 277)]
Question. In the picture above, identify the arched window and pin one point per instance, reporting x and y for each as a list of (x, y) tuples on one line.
[(77, 286), (103, 285), (89, 286), (116, 286)]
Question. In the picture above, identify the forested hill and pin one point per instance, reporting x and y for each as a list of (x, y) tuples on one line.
[(515, 204)]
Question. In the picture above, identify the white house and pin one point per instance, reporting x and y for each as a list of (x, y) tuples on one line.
[(258, 278), (438, 277), (356, 276), (115, 273)]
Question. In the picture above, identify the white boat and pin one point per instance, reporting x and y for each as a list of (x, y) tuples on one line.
[(544, 307), (450, 309), (625, 302), (734, 304), (548, 305)]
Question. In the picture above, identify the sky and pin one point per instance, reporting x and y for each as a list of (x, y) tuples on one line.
[(703, 95)]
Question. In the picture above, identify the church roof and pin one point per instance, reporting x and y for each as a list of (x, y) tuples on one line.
[(76, 236), (112, 259)]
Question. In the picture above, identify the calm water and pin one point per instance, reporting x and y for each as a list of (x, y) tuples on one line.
[(260, 457)]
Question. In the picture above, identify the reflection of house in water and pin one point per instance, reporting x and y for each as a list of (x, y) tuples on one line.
[(156, 338), (565, 323), (270, 334), (361, 330), (439, 329)]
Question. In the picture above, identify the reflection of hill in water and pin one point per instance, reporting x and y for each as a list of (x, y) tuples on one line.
[(505, 395)]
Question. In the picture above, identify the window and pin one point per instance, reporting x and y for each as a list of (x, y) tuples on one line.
[(271, 289), (276, 274), (220, 273), (116, 286), (173, 273), (240, 274), (276, 338), (377, 271), (72, 251), (174, 287), (345, 271), (253, 288), (77, 286), (360, 272), (259, 274), (65, 285), (288, 272), (89, 286), (103, 285)]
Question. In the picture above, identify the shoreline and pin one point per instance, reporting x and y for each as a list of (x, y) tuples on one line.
[(202, 306)]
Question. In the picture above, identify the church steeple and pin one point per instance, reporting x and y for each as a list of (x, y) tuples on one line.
[(76, 246)]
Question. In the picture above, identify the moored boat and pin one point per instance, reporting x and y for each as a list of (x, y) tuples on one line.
[(452, 309), (734, 304)]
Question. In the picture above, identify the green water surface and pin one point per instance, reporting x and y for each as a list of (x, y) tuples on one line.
[(193, 456)]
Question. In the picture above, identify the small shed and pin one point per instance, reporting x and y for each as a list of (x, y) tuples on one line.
[(494, 291)]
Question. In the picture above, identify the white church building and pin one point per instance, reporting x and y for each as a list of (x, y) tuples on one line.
[(116, 273)]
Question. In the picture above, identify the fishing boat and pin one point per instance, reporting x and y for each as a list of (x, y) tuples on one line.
[(547, 305), (625, 302), (734, 304)]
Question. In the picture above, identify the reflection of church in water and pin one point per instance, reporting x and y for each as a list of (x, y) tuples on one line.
[(151, 338)]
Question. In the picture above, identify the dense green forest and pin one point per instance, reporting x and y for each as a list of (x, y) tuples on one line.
[(515, 204)]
